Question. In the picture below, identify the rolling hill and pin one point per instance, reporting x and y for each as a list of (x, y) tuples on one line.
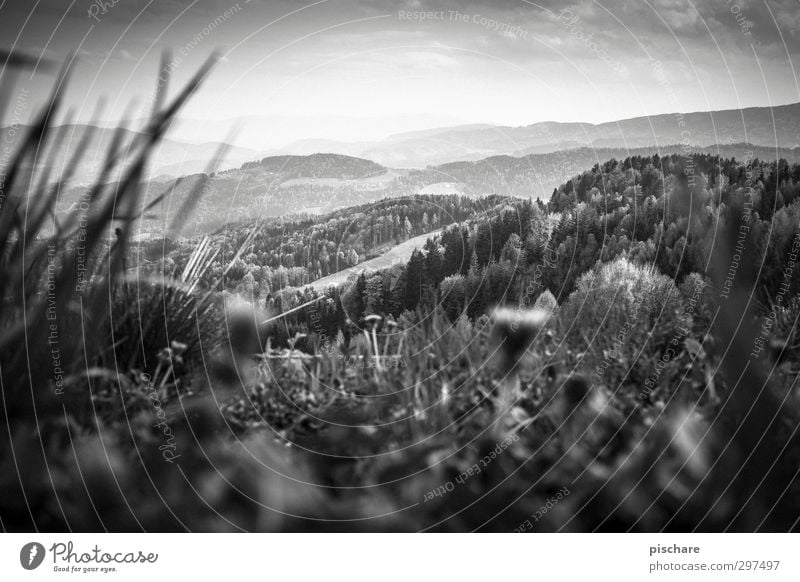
[(171, 158), (321, 183), (760, 126)]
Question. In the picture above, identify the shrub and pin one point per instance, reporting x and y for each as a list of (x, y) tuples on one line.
[(620, 296)]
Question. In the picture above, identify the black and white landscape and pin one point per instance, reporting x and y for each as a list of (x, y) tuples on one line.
[(375, 266)]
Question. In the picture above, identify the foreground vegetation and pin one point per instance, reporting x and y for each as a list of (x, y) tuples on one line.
[(592, 364)]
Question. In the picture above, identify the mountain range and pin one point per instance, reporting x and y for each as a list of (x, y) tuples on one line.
[(761, 126), (170, 158), (278, 186), (191, 144)]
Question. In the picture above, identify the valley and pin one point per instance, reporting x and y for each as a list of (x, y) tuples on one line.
[(396, 255), (318, 184)]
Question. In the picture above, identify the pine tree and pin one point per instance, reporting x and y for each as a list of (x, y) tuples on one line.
[(396, 298), (373, 295), (433, 264), (483, 244), (452, 296), (414, 273), (455, 242)]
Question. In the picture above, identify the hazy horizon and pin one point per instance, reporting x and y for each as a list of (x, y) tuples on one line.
[(509, 63), (325, 128)]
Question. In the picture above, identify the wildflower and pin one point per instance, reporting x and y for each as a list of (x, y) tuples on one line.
[(372, 321), (546, 301)]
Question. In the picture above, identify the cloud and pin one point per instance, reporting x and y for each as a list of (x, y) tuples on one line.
[(356, 46)]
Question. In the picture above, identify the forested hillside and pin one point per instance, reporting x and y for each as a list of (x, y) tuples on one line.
[(316, 166), (670, 212), (296, 251), (661, 213), (322, 183)]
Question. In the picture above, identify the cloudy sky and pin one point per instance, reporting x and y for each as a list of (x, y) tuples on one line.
[(511, 62)]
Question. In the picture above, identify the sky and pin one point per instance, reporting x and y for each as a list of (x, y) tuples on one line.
[(423, 62)]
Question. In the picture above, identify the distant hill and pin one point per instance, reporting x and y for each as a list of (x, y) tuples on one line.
[(170, 158), (264, 133), (536, 175), (317, 165), (271, 187), (322, 183), (760, 126)]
